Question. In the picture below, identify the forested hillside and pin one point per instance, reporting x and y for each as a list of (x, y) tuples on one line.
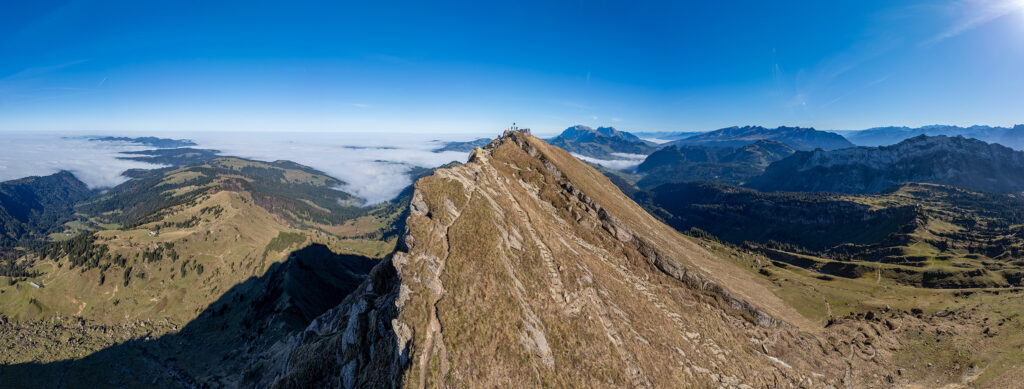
[(34, 207)]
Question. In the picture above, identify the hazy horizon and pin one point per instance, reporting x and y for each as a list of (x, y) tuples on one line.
[(459, 136)]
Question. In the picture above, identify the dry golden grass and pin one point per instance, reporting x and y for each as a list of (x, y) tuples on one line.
[(527, 268)]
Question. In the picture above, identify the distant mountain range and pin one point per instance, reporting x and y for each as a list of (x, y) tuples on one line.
[(667, 135), (605, 142), (732, 165), (797, 137), (883, 136), (601, 143), (151, 141), (957, 161), (173, 157), (463, 146)]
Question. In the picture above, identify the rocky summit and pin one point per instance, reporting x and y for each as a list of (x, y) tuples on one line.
[(601, 143), (525, 267)]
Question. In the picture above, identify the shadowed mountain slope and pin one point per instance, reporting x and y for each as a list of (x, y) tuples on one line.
[(224, 346), (813, 220), (33, 207), (710, 163), (966, 163), (924, 235)]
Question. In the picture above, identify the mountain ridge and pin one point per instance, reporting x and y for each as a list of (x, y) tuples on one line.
[(797, 137), (465, 147), (732, 165), (601, 143), (230, 256), (957, 161), (416, 321), (883, 136), (33, 207), (151, 141)]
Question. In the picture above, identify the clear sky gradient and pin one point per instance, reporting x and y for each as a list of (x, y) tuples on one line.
[(477, 66)]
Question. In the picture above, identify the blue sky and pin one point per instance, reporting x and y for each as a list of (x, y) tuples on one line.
[(478, 66)]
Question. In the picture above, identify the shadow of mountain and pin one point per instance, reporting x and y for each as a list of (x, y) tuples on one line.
[(240, 340)]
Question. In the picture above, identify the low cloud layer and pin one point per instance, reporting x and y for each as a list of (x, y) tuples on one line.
[(375, 167), (657, 140), (95, 163), (625, 161)]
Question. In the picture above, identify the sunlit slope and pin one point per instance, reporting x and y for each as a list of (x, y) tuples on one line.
[(526, 267), (187, 235), (631, 223)]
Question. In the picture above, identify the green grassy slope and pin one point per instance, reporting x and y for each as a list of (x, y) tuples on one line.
[(168, 253)]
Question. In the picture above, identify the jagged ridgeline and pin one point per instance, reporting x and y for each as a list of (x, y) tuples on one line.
[(526, 267), (601, 143)]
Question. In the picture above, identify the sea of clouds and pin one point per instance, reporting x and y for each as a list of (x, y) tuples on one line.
[(374, 167), (37, 154), (624, 161)]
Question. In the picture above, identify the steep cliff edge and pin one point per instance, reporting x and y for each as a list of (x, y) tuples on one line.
[(526, 267)]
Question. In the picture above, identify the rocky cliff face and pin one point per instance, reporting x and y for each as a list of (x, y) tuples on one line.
[(601, 143), (580, 133), (527, 268), (957, 161)]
